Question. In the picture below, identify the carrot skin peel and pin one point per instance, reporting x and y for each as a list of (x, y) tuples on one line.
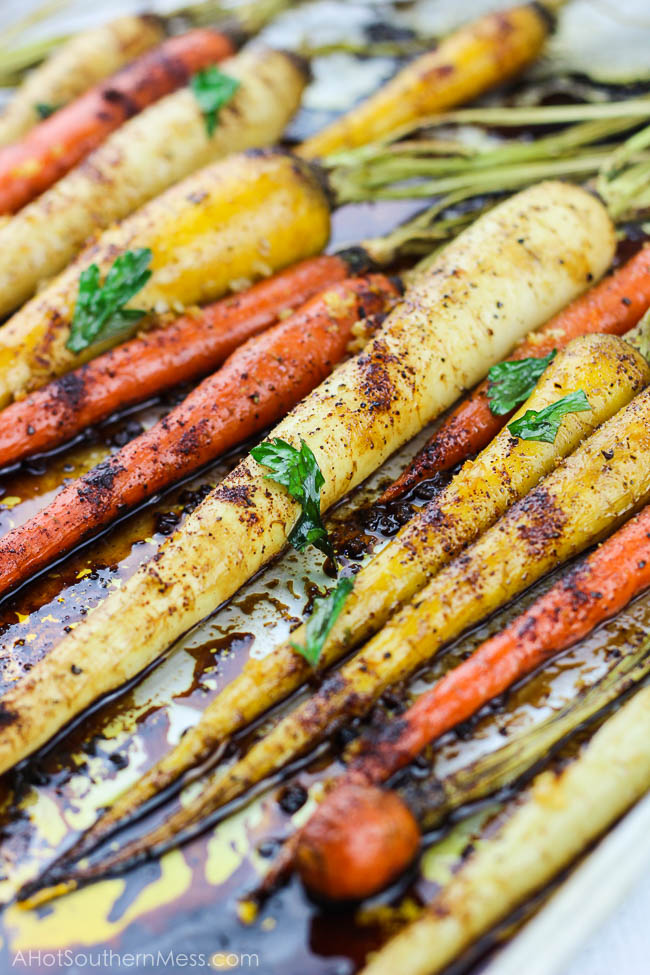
[(191, 346), (613, 306), (53, 147), (259, 383)]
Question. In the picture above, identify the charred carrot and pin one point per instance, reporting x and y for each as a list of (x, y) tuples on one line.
[(561, 815), (192, 346), (593, 591), (386, 817), (52, 148), (204, 233), (259, 383), (596, 589), (612, 306)]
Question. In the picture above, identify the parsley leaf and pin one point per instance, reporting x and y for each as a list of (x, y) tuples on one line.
[(511, 383), (324, 615), (44, 110), (298, 471), (212, 89), (544, 424), (99, 312)]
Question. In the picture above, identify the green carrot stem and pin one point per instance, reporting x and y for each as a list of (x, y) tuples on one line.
[(500, 180)]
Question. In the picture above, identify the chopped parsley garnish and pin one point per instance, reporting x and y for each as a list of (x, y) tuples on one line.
[(99, 313), (43, 110), (544, 424), (324, 615), (212, 89), (298, 471), (511, 383)]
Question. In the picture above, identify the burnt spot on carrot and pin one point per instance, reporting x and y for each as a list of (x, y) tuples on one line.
[(545, 520), (7, 717), (377, 383), (96, 486), (358, 260), (126, 106), (239, 495), (69, 390), (303, 64)]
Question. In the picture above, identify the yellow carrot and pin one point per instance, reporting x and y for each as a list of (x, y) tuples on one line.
[(471, 60)]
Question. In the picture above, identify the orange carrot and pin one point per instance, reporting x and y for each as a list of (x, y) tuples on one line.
[(189, 347), (596, 589), (358, 845), (614, 306), (53, 147), (257, 385)]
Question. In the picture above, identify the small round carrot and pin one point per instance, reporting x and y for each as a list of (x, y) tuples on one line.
[(258, 384), (360, 844), (614, 306), (53, 147), (190, 347)]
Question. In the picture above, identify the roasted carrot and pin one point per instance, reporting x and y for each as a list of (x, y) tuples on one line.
[(386, 815), (189, 347), (366, 826), (74, 66), (233, 222), (343, 446), (593, 591), (371, 405), (561, 815), (257, 385), (612, 306), (29, 167), (472, 59)]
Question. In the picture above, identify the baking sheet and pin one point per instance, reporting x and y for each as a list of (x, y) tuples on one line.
[(189, 901)]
